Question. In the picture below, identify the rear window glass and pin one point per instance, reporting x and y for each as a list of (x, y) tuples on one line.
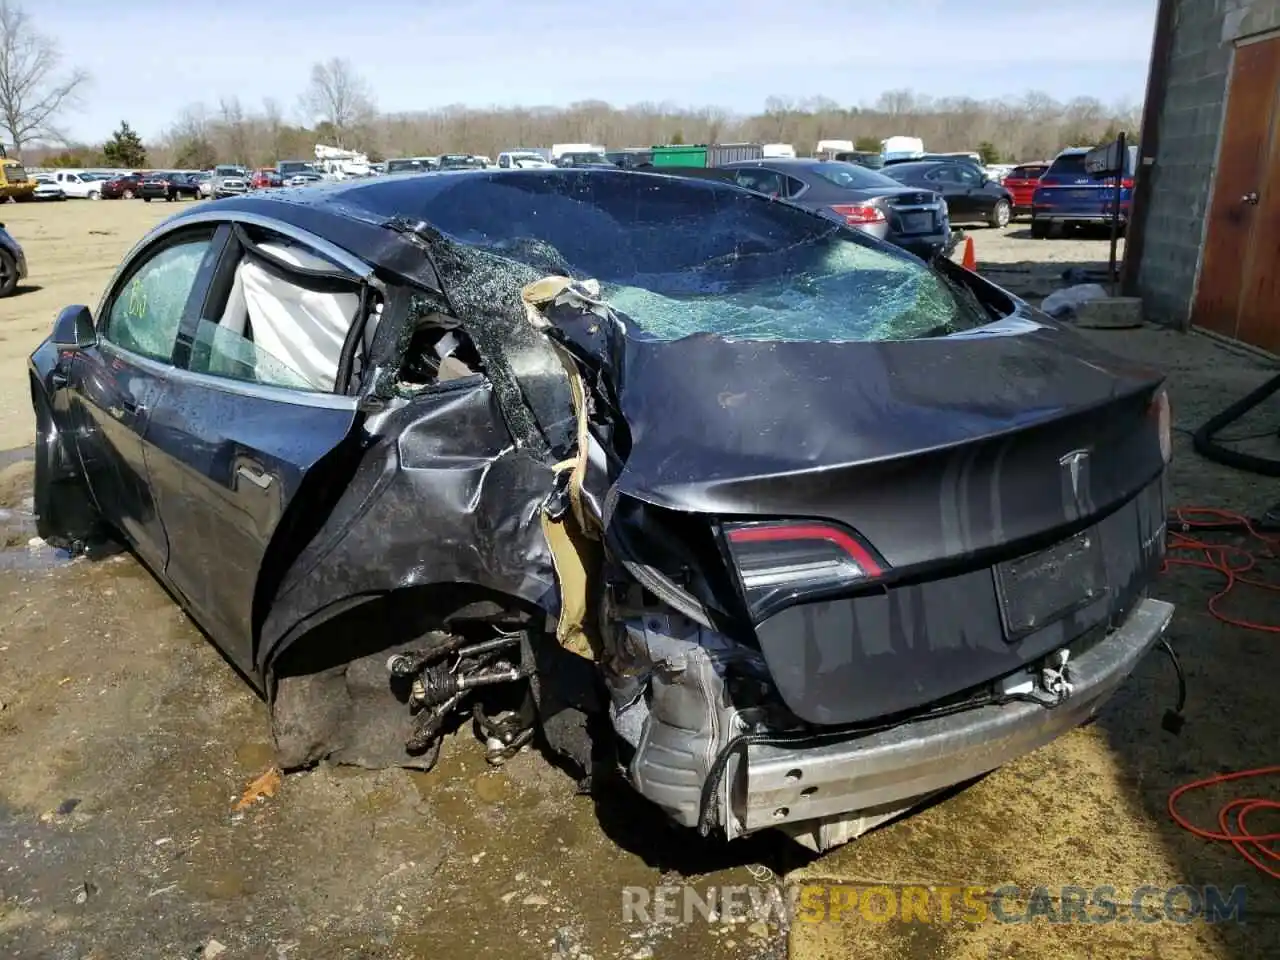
[(680, 257), (1069, 163), (849, 175), (1072, 164), (1027, 173)]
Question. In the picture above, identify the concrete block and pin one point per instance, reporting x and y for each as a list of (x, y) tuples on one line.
[(1112, 313)]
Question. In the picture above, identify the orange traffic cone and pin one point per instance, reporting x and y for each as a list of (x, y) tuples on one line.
[(970, 260)]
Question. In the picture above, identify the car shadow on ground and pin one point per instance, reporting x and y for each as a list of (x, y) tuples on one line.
[(24, 288)]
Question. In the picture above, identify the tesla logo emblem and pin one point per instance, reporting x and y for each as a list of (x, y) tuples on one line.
[(1076, 466)]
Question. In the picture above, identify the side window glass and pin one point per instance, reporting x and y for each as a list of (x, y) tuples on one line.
[(222, 352), (969, 177), (794, 186), (147, 308), (761, 181), (275, 332), (771, 183)]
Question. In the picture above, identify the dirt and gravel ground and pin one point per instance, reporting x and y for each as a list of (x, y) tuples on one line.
[(125, 742)]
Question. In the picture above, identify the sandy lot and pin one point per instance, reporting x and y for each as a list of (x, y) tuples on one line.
[(72, 249), (125, 740)]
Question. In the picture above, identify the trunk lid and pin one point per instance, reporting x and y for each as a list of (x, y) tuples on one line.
[(952, 459), (931, 449)]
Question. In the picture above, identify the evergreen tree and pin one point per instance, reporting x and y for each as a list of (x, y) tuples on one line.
[(125, 148)]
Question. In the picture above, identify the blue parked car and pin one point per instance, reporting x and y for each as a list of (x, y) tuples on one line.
[(13, 262), (1068, 195)]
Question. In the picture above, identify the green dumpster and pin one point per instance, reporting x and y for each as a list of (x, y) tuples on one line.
[(680, 155)]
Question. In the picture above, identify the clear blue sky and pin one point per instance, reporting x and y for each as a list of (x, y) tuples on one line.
[(151, 58)]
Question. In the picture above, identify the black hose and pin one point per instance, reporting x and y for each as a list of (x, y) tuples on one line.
[(1205, 439), (1173, 719)]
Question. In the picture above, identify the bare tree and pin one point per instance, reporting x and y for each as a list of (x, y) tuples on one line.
[(273, 120), (232, 121), (33, 91), (337, 95)]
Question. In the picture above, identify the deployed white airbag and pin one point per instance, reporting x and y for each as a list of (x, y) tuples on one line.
[(303, 329)]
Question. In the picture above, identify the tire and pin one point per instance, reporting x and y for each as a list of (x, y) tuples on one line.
[(1000, 214), (95, 195), (146, 199), (128, 194), (8, 273), (1039, 229)]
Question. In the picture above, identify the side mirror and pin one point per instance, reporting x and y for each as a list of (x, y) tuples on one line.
[(73, 328)]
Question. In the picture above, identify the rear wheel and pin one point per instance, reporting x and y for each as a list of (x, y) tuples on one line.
[(1039, 229), (95, 195), (146, 199), (1000, 213), (128, 194)]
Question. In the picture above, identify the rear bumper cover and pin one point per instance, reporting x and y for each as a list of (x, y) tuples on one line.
[(1052, 217), (890, 770)]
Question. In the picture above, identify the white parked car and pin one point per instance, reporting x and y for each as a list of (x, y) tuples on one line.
[(48, 189), (84, 186)]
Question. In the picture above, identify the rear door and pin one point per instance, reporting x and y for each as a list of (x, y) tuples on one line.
[(980, 193), (243, 432), (945, 180), (118, 383)]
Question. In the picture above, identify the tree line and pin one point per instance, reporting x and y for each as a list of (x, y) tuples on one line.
[(1031, 127)]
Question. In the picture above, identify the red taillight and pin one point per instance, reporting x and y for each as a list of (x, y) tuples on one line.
[(1127, 183), (778, 562), (859, 214)]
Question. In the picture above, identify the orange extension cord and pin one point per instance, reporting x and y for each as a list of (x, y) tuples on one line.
[(1233, 563)]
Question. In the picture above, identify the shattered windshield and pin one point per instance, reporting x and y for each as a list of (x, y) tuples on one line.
[(679, 257)]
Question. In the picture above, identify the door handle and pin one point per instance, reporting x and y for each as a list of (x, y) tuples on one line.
[(259, 478), (133, 406), (1250, 198)]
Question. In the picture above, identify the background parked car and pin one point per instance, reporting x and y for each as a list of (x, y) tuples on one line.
[(460, 161), (1070, 196), (122, 188), (266, 177), (80, 185), (1021, 182), (863, 158), (168, 185), (914, 219), (228, 181), (409, 165), (47, 189), (971, 196)]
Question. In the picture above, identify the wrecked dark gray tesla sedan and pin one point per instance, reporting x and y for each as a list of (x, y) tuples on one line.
[(811, 529)]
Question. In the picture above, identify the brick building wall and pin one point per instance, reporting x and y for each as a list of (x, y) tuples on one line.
[(1204, 35)]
